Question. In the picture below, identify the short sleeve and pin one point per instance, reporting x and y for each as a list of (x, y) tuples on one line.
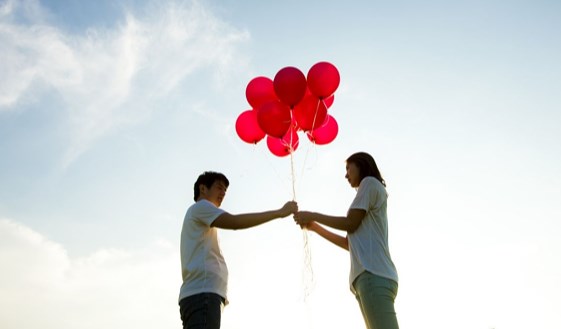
[(367, 195), (206, 213)]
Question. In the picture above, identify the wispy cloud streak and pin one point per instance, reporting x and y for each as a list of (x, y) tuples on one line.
[(108, 78)]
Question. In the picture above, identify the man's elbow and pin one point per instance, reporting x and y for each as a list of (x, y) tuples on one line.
[(228, 222)]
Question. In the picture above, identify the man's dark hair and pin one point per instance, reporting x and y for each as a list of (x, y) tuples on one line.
[(207, 179)]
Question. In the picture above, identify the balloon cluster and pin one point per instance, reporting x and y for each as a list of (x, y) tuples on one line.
[(290, 103)]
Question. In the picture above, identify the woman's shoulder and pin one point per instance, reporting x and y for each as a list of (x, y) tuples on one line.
[(372, 183)]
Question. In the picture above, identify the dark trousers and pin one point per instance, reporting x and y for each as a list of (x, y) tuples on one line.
[(201, 311)]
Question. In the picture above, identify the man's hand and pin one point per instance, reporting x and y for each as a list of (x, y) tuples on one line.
[(289, 208)]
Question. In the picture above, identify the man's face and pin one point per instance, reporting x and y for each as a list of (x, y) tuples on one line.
[(215, 193)]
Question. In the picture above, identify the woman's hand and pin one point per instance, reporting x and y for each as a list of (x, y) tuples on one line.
[(303, 218)]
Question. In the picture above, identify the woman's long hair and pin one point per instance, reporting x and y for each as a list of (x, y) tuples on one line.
[(366, 166)]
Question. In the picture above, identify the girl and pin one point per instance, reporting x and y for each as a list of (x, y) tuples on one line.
[(373, 278)]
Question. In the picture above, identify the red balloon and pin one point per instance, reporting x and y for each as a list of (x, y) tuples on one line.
[(328, 101), (323, 79), (294, 124), (248, 128), (310, 113), (290, 85), (259, 91), (326, 133), (285, 145), (274, 118)]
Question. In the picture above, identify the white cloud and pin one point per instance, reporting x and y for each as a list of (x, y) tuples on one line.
[(110, 78), (41, 286)]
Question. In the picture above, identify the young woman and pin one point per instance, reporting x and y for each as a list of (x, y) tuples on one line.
[(373, 278)]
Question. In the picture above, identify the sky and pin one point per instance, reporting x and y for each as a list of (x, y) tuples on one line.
[(110, 110)]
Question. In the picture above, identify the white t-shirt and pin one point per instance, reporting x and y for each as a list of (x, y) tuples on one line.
[(368, 245), (202, 265)]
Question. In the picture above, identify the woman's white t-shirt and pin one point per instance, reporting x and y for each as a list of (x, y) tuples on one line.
[(202, 264), (368, 245)]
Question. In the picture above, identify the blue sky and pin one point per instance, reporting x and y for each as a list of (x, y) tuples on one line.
[(108, 113)]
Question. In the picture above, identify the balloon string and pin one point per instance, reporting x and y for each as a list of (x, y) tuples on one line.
[(292, 169), (316, 114), (308, 275), (308, 133), (308, 272)]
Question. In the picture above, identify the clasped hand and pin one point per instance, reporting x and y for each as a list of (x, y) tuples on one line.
[(304, 218), (291, 207)]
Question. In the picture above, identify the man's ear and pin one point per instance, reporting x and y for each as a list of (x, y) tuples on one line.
[(203, 189)]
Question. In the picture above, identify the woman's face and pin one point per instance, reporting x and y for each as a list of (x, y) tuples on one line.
[(353, 174)]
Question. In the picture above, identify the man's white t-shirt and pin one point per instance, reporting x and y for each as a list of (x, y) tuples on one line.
[(368, 245), (202, 264)]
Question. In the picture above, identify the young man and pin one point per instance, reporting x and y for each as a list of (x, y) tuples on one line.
[(205, 275)]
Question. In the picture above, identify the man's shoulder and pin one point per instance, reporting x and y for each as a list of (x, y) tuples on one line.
[(203, 208), (202, 204)]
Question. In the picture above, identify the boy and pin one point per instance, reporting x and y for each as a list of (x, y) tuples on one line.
[(205, 275)]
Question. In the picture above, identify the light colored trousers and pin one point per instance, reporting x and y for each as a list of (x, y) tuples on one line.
[(376, 296)]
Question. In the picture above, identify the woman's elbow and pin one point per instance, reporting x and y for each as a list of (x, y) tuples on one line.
[(345, 244), (352, 227)]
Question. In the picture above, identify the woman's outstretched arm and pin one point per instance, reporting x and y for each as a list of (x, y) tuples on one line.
[(349, 223), (334, 238)]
